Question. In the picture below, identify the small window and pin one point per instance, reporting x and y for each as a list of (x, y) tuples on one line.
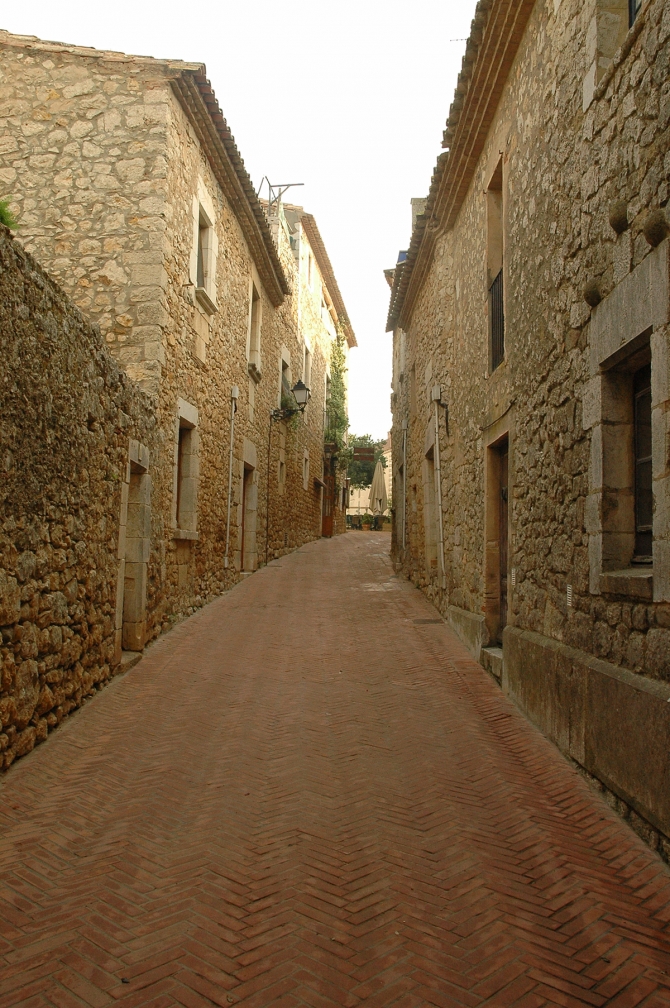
[(255, 335), (182, 451), (307, 368), (285, 380), (186, 470), (204, 257), (644, 507), (202, 244), (633, 10)]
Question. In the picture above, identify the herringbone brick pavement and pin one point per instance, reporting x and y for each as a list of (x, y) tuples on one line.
[(309, 794)]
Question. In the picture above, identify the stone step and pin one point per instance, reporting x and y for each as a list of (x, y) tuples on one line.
[(491, 658)]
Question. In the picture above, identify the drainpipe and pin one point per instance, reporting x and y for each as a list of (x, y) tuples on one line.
[(234, 394), (404, 484), (437, 397)]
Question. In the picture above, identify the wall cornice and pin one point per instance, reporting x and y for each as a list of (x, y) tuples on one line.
[(497, 29)]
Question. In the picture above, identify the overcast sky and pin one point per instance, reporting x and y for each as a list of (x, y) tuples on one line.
[(349, 98)]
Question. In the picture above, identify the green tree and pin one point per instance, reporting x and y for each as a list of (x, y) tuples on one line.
[(361, 473), (337, 421)]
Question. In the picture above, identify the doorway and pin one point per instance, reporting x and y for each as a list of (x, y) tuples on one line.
[(328, 499), (138, 540), (497, 539), (248, 550)]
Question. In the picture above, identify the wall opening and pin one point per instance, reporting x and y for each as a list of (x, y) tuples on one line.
[(494, 268), (627, 494), (248, 545), (497, 538), (255, 321), (430, 514), (138, 542)]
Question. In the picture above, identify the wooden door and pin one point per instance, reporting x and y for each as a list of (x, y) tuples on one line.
[(328, 502)]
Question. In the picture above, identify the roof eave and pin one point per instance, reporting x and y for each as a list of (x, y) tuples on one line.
[(497, 29), (325, 266), (196, 97)]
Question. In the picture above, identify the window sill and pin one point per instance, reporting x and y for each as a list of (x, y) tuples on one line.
[(185, 534), (633, 582), (205, 301)]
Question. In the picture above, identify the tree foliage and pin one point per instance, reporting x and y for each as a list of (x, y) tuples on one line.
[(361, 473), (6, 216), (337, 420)]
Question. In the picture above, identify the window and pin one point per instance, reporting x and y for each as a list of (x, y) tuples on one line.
[(627, 508), (255, 334), (607, 29), (204, 251), (643, 476), (186, 472), (307, 368), (286, 396), (305, 471), (494, 219)]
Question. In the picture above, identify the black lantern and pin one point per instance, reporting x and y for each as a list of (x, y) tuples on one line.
[(301, 394)]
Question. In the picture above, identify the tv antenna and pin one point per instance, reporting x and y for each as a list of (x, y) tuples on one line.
[(275, 192)]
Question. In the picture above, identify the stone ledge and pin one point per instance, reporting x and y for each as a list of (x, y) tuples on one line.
[(185, 534), (634, 582), (470, 628), (491, 659), (614, 723)]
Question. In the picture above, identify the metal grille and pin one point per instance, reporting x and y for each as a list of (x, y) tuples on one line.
[(497, 317), (633, 10)]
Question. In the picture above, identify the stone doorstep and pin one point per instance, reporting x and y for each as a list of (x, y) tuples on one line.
[(129, 659), (491, 659)]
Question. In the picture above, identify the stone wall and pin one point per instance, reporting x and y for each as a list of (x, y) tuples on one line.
[(68, 418), (114, 171), (578, 291)]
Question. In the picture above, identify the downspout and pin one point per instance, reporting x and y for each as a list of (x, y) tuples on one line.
[(233, 410), (437, 396)]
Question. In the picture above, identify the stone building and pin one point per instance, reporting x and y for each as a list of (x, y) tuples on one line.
[(130, 191), (531, 387)]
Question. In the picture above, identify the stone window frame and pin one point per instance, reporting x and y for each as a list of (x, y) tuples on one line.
[(186, 472), (205, 240), (607, 31), (633, 321), (305, 469), (255, 327)]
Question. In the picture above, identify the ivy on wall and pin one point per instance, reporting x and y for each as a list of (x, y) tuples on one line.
[(337, 421)]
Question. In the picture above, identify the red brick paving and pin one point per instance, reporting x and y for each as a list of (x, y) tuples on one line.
[(305, 795)]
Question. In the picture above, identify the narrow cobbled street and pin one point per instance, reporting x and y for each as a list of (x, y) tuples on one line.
[(309, 794)]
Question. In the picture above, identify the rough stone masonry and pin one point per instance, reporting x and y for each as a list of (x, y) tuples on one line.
[(68, 416)]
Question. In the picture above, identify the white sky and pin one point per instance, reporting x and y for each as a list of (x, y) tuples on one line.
[(349, 97)]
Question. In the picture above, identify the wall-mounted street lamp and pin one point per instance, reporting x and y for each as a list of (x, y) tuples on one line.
[(301, 394)]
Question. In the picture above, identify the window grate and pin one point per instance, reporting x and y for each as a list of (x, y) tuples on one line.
[(633, 11), (497, 321)]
